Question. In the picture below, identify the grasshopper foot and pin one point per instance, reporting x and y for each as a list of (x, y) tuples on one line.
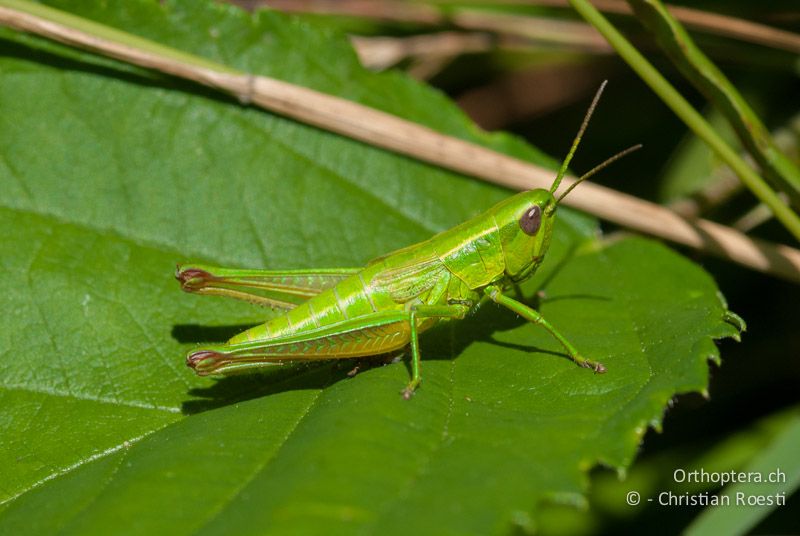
[(408, 392), (598, 368)]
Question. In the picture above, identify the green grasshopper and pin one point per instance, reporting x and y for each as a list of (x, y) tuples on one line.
[(383, 307)]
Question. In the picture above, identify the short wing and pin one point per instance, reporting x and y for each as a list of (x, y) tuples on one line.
[(279, 289), (407, 281)]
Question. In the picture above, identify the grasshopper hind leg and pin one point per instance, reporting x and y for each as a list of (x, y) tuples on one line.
[(383, 332), (203, 361), (209, 361)]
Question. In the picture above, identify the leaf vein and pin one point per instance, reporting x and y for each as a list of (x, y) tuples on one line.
[(225, 503), (90, 398), (109, 451)]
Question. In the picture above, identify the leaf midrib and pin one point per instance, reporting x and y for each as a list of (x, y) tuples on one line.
[(83, 461)]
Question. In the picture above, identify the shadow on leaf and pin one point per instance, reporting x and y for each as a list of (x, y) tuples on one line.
[(197, 333), (232, 389)]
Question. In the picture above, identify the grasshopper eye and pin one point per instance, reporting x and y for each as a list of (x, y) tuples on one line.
[(531, 220)]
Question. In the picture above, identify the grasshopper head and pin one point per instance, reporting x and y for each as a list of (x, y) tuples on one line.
[(525, 222)]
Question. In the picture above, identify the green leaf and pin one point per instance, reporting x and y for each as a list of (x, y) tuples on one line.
[(111, 175)]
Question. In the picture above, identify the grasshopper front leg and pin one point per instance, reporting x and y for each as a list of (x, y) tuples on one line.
[(532, 315)]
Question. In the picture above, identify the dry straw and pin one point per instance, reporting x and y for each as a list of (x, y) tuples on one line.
[(399, 135)]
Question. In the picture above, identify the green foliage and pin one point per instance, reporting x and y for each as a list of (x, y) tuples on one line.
[(741, 518), (694, 165), (671, 97), (111, 175), (707, 78)]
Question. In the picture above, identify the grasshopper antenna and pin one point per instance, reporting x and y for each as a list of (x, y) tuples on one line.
[(599, 167), (589, 112)]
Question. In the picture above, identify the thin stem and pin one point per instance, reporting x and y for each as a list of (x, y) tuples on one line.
[(690, 116), (108, 34)]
